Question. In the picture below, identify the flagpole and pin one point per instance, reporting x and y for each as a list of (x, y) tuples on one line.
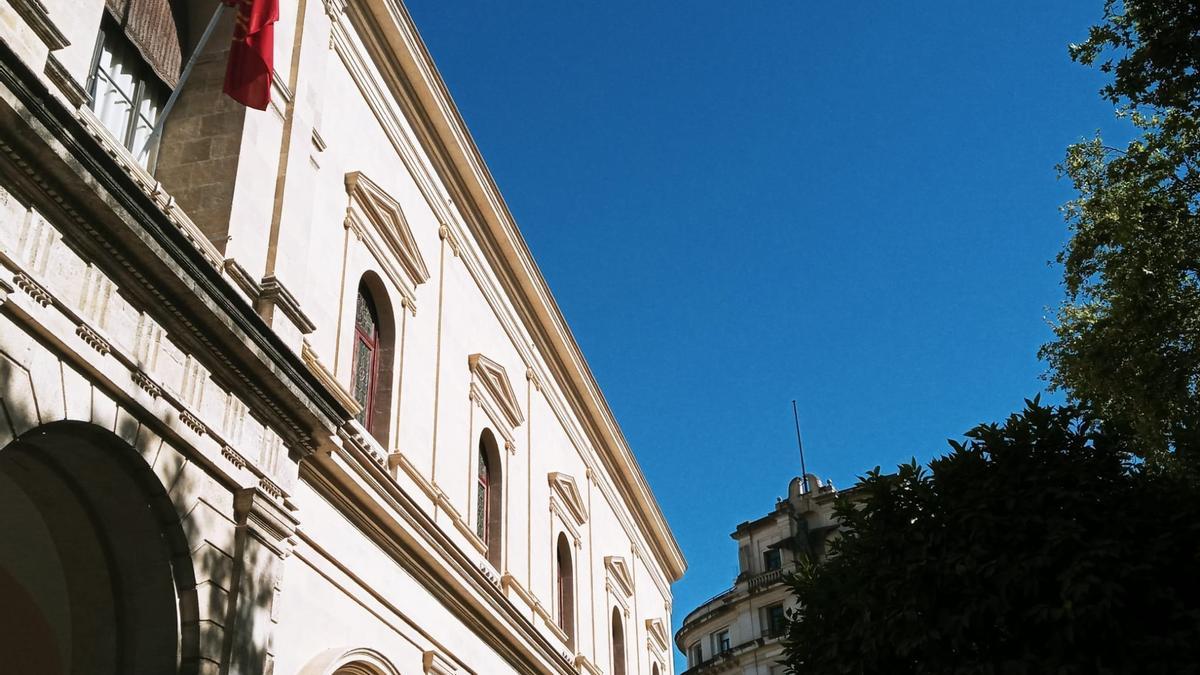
[(800, 444), (187, 70)]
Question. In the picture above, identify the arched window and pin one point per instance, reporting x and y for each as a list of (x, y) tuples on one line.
[(372, 352), (488, 493), (654, 670), (565, 582), (366, 356), (618, 643)]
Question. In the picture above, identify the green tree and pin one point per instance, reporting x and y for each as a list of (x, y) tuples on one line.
[(1127, 336), (1038, 546)]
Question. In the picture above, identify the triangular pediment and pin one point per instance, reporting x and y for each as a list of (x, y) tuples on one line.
[(494, 380), (566, 490), (658, 630), (382, 212), (618, 569)]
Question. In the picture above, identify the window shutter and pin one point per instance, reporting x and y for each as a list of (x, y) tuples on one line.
[(150, 25)]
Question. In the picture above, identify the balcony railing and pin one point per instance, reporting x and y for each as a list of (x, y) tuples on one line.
[(765, 579)]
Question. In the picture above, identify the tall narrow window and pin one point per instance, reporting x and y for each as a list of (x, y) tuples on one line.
[(481, 497), (565, 580), (366, 357), (618, 643), (489, 488)]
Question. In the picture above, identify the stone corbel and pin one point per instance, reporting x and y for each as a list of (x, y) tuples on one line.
[(274, 296), (268, 522)]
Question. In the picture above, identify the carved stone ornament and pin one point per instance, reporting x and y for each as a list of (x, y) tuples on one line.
[(658, 632), (618, 571), (382, 223), (492, 378), (563, 487)]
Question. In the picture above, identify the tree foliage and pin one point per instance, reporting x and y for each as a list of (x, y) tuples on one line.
[(1038, 546), (1127, 337)]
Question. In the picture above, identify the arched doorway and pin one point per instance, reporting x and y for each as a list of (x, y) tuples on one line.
[(94, 569)]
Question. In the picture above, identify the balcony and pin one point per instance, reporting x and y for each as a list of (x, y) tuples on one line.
[(765, 579)]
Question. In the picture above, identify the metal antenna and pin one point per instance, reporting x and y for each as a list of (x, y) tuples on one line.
[(800, 444)]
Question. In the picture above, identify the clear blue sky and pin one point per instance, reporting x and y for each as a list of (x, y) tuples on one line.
[(853, 204)]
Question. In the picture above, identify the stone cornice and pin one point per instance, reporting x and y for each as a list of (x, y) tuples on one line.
[(37, 17)]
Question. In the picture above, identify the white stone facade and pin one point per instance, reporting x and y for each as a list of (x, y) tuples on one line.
[(181, 432), (738, 631)]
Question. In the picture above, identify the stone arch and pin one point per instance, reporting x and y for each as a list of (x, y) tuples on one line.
[(97, 554), (348, 661), (377, 414)]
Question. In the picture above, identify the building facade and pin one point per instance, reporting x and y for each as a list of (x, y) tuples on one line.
[(284, 391), (738, 631)]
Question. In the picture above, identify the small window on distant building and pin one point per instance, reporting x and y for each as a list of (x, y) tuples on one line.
[(771, 560), (774, 620), (720, 641), (695, 655)]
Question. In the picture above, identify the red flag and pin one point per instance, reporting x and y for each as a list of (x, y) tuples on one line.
[(251, 56)]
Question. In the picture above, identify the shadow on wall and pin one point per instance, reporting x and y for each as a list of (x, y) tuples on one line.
[(112, 563)]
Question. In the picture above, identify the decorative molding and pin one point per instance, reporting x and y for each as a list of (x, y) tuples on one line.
[(447, 235), (272, 292), (584, 664), (378, 220), (354, 436), (269, 487), (657, 630), (398, 459), (61, 78), (327, 379), (563, 487), (233, 456), (5, 290), (143, 380), (37, 17), (435, 663), (193, 422), (490, 572), (33, 289), (535, 381), (618, 571), (461, 524), (492, 377), (335, 8), (242, 279), (93, 339)]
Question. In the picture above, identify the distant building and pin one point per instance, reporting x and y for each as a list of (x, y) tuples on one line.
[(739, 630)]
